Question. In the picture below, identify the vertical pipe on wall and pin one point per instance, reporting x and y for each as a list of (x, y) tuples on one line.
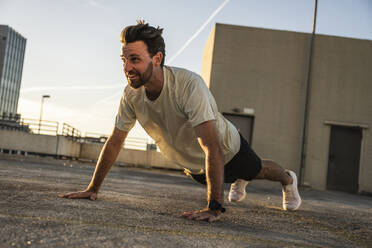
[(307, 99)]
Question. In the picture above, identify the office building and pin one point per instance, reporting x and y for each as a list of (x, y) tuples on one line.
[(12, 52)]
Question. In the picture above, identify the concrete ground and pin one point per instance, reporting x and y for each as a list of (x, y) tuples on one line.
[(141, 207)]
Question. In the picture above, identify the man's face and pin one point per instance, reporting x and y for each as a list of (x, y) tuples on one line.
[(138, 66)]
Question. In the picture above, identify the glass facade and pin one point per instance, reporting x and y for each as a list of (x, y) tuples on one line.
[(12, 53)]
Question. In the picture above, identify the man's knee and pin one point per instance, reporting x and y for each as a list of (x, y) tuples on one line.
[(261, 173), (266, 164)]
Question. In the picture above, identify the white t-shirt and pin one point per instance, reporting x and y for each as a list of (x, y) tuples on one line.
[(184, 102)]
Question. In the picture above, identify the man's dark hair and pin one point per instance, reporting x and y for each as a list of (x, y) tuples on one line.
[(151, 36)]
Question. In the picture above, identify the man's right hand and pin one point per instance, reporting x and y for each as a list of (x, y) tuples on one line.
[(80, 195), (105, 161)]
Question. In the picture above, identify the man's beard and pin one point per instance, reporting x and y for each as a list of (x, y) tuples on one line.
[(142, 78)]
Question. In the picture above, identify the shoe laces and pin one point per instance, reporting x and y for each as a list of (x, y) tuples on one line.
[(289, 192), (238, 185)]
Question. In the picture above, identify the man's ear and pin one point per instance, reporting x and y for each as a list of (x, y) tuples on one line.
[(158, 57)]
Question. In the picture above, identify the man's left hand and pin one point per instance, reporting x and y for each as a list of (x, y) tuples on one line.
[(204, 215)]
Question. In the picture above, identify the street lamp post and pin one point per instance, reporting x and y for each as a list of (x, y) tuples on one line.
[(41, 110)]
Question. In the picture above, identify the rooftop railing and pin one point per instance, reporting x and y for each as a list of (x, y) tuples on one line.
[(70, 131), (46, 127)]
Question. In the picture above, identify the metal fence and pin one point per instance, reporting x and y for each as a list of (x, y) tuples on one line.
[(46, 127), (130, 142), (136, 143), (29, 125), (12, 123), (94, 137), (41, 127), (70, 131)]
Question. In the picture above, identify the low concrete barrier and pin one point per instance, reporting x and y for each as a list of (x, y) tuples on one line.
[(22, 141), (91, 151), (67, 147), (64, 146)]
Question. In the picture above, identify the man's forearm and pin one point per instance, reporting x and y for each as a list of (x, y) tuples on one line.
[(105, 161), (215, 176), (214, 159)]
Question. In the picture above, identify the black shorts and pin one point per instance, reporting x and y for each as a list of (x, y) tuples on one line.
[(244, 165)]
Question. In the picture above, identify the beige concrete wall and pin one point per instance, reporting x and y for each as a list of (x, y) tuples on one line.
[(341, 93), (68, 147), (267, 70), (64, 146), (264, 70), (128, 156), (45, 144), (208, 58), (14, 140), (90, 151)]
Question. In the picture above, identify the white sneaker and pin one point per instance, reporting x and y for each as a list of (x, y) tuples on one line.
[(291, 197), (237, 190)]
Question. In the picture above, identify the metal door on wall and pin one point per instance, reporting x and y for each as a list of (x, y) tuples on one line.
[(344, 157), (244, 124)]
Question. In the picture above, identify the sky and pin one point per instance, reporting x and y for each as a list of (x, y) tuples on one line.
[(73, 47)]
